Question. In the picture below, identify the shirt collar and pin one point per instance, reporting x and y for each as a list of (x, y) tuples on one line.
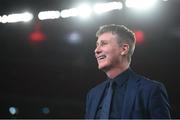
[(122, 77)]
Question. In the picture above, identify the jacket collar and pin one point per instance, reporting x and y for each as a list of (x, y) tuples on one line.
[(122, 77)]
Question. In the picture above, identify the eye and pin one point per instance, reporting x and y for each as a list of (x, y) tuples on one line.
[(101, 43)]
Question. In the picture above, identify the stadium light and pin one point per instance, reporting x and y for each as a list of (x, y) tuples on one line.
[(84, 10), (4, 19), (21, 17), (48, 15), (140, 4), (106, 7), (69, 13)]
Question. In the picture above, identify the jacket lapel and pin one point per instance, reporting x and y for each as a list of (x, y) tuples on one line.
[(98, 94), (129, 96)]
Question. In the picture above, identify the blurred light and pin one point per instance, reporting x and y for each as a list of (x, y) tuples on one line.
[(74, 38), (48, 15), (105, 7), (140, 4), (84, 10), (13, 110), (37, 36), (69, 12), (139, 36), (45, 110), (21, 17), (4, 19)]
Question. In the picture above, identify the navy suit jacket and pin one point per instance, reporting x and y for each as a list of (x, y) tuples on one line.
[(144, 98)]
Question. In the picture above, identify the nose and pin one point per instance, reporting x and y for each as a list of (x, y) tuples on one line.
[(97, 50)]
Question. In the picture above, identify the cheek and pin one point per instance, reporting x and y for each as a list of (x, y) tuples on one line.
[(113, 57), (113, 53)]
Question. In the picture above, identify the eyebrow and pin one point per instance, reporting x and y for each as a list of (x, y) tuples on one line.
[(101, 41)]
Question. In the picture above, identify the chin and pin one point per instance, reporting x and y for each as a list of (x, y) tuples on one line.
[(102, 67)]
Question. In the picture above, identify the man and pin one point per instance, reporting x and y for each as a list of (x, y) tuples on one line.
[(124, 94)]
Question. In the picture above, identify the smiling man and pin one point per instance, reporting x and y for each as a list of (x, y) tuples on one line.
[(124, 95)]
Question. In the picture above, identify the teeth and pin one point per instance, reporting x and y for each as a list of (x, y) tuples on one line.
[(101, 57)]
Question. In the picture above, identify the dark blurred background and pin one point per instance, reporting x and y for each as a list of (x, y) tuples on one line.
[(49, 78)]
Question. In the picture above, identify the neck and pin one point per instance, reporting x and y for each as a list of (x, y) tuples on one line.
[(116, 71)]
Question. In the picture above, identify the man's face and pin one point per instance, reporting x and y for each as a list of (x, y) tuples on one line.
[(108, 51)]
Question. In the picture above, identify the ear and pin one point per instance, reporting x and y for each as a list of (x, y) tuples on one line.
[(125, 49)]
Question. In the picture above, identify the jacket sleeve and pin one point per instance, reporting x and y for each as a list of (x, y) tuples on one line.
[(159, 107)]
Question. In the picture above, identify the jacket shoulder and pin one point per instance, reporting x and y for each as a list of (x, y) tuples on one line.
[(146, 82), (97, 87), (147, 86)]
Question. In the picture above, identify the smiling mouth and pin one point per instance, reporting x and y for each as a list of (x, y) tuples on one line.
[(101, 57)]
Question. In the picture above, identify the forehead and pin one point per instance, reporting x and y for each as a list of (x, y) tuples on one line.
[(107, 37)]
